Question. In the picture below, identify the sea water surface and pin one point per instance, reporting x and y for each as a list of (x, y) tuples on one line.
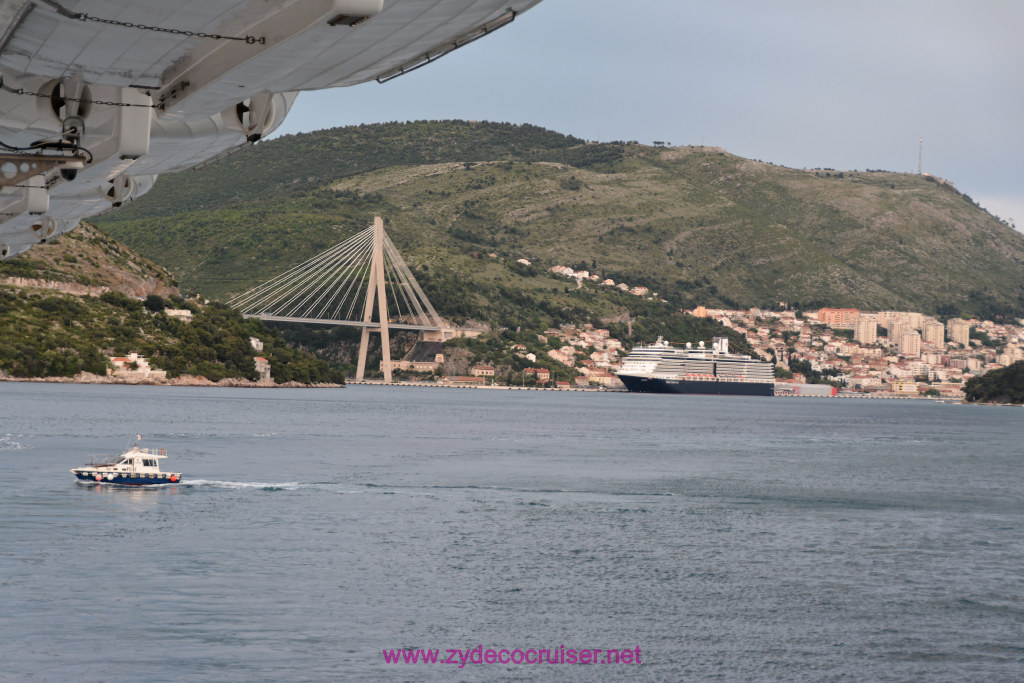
[(728, 538)]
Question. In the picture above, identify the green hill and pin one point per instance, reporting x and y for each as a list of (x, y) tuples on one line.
[(697, 225)]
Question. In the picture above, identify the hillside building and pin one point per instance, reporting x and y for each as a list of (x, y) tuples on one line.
[(885, 316), (866, 330), (933, 332), (134, 367), (908, 387), (910, 344), (894, 327), (425, 356), (543, 374), (263, 370), (958, 331), (839, 318), (464, 381), (605, 379)]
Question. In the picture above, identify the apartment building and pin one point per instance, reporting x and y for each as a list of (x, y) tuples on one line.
[(958, 331), (866, 330)]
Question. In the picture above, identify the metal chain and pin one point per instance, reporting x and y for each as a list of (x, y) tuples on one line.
[(82, 16), (22, 91), (249, 40)]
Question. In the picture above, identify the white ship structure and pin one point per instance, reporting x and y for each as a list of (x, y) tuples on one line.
[(98, 98), (662, 368)]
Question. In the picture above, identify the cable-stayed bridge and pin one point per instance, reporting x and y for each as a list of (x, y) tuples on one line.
[(346, 285)]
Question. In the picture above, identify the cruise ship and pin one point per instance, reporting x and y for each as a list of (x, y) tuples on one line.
[(665, 369)]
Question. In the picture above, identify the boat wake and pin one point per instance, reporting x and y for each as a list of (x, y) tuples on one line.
[(9, 444), (259, 485)]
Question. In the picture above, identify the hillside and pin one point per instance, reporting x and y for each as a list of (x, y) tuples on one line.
[(87, 258), (67, 306), (697, 225)]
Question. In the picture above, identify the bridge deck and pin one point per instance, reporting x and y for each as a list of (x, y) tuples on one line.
[(350, 323)]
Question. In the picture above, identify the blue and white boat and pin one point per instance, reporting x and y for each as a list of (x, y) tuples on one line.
[(135, 467)]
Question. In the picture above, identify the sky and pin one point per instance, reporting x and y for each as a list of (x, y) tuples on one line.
[(850, 85)]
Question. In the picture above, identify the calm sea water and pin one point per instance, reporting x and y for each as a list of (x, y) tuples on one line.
[(728, 538)]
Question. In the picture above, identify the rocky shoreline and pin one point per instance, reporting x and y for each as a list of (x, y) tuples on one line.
[(182, 381)]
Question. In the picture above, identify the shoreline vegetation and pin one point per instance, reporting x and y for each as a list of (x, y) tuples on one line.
[(998, 387), (48, 332)]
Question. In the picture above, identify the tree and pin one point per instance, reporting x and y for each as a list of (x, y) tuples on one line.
[(1005, 385), (155, 303)]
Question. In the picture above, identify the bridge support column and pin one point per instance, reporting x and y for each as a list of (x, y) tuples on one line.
[(375, 289), (364, 340)]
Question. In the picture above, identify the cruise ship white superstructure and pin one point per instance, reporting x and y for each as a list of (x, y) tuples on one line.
[(665, 369)]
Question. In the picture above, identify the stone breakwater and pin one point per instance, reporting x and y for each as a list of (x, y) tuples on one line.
[(182, 381)]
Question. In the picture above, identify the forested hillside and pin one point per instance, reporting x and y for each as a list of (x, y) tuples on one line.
[(47, 334), (67, 306), (697, 225)]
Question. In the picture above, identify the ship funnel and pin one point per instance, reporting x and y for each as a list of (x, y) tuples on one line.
[(720, 344)]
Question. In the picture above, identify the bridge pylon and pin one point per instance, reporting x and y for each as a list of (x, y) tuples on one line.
[(375, 290)]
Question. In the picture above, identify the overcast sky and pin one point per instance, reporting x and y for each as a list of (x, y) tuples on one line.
[(801, 83)]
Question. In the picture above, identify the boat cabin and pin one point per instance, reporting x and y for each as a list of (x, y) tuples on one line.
[(141, 460)]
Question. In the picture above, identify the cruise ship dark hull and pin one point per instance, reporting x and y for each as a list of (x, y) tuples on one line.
[(669, 386)]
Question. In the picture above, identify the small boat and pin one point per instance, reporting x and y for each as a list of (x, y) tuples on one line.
[(135, 467)]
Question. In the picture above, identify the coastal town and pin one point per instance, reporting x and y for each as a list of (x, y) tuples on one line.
[(888, 353), (831, 351)]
